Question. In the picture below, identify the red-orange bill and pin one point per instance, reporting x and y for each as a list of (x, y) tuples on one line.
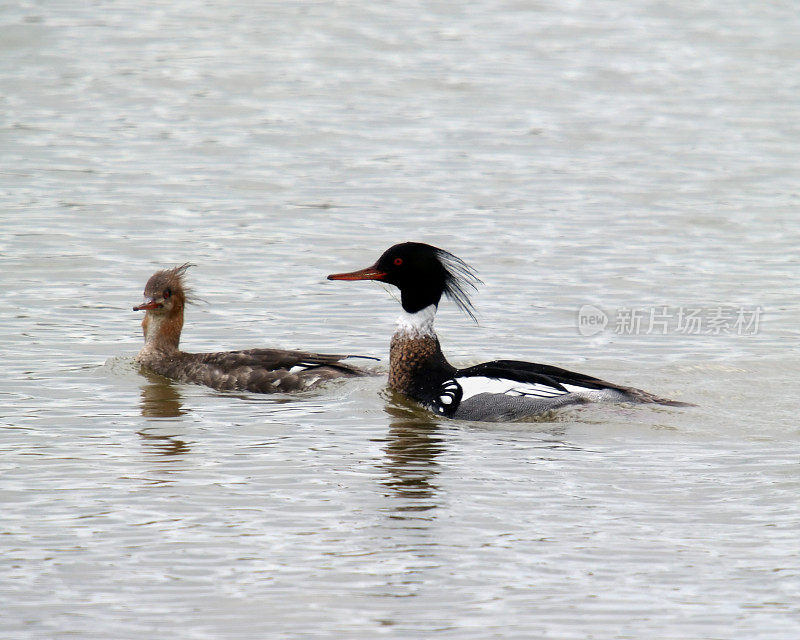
[(370, 273), (146, 306)]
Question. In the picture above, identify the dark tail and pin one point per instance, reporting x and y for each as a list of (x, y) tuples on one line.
[(637, 395)]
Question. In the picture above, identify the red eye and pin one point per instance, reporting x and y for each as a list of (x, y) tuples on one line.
[(398, 261)]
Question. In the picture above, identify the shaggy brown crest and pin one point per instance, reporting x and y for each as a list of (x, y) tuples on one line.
[(172, 281)]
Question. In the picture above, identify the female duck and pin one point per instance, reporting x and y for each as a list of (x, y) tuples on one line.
[(492, 391), (259, 370)]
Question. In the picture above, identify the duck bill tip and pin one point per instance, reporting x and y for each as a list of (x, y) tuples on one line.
[(146, 306)]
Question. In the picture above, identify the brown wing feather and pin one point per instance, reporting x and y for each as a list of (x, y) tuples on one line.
[(258, 370)]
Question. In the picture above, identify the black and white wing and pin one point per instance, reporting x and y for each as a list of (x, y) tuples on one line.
[(497, 384), (505, 388), (580, 383)]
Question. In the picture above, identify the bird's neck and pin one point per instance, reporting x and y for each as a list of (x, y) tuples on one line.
[(416, 325), (416, 361), (162, 332)]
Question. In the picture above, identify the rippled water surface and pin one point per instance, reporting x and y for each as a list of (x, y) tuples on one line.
[(637, 157)]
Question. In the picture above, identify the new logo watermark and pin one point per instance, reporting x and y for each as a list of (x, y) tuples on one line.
[(663, 320), (591, 320)]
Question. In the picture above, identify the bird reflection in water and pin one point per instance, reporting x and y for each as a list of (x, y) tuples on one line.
[(411, 449), (164, 444), (161, 399)]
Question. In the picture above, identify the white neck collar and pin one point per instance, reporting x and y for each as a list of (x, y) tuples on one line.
[(416, 325)]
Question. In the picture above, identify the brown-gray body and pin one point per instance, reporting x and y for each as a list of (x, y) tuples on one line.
[(258, 370)]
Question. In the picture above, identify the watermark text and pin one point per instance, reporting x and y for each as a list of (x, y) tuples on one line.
[(665, 319)]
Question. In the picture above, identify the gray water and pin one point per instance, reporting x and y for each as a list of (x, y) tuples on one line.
[(638, 157)]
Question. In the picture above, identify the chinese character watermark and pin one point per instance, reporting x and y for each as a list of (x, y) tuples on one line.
[(663, 320)]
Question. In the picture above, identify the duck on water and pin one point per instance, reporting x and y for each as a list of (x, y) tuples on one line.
[(493, 391), (258, 370)]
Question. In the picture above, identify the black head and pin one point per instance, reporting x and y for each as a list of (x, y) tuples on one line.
[(422, 273)]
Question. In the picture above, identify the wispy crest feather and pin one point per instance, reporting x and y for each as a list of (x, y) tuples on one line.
[(459, 279), (173, 278)]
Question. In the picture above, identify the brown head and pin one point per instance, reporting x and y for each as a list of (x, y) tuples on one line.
[(165, 297)]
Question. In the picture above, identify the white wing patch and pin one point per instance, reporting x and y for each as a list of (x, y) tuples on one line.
[(303, 366), (573, 388), (447, 396), (474, 385)]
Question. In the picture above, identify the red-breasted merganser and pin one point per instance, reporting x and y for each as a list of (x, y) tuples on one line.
[(259, 370), (492, 391)]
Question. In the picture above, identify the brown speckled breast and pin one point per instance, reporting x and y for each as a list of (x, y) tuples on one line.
[(409, 358)]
